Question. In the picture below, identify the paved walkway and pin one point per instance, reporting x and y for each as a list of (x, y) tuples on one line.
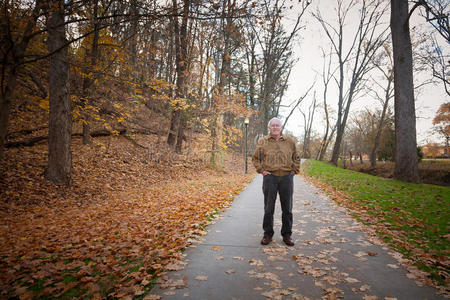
[(332, 258)]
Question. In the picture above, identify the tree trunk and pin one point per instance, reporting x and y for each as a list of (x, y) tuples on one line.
[(406, 164), (180, 135), (88, 82), (337, 144), (60, 124), (10, 76), (322, 149), (219, 114), (342, 121), (5, 108), (376, 143), (181, 62), (327, 143)]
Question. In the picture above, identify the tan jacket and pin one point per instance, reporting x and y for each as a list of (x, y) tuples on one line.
[(277, 157)]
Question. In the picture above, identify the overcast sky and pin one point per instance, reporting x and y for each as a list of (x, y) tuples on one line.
[(308, 51)]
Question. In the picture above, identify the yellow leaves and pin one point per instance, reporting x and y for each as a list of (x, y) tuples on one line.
[(118, 106), (216, 248), (44, 104), (179, 104)]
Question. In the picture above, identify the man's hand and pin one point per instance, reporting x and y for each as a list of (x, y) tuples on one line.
[(264, 173)]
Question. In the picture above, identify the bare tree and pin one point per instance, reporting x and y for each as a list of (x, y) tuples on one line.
[(437, 61), (406, 164), (360, 136), (437, 14), (297, 103), (355, 60), (327, 75), (385, 65), (308, 120), (277, 57), (60, 124)]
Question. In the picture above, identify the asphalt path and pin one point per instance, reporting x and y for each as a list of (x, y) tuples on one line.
[(333, 256)]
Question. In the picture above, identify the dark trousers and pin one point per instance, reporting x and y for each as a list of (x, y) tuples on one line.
[(284, 186)]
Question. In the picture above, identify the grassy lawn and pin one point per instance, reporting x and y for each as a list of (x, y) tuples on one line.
[(412, 218)]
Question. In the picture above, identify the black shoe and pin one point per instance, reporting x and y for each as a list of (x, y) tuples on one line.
[(288, 241), (266, 240)]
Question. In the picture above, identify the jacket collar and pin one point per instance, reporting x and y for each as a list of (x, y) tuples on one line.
[(270, 137)]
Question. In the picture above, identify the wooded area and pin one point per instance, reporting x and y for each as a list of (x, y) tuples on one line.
[(115, 66), (201, 68), (122, 127)]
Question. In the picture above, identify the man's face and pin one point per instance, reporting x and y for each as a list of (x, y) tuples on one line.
[(275, 128)]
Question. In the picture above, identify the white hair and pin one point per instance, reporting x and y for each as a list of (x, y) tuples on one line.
[(273, 119)]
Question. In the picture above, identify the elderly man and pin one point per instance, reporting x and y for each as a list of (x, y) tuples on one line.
[(277, 159)]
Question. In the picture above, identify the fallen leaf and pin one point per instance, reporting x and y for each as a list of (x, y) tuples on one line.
[(152, 297), (145, 282), (351, 280), (216, 248), (364, 288), (372, 253), (285, 292), (360, 254), (256, 262), (178, 284), (201, 278), (274, 294), (174, 267), (230, 271), (393, 266)]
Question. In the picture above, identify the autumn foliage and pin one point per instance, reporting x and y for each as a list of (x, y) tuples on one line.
[(121, 223)]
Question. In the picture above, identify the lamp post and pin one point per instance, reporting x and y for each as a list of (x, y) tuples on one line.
[(246, 121)]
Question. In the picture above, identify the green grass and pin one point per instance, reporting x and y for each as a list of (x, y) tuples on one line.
[(418, 214)]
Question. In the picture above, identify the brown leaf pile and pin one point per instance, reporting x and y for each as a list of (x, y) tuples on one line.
[(113, 231)]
